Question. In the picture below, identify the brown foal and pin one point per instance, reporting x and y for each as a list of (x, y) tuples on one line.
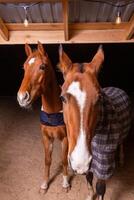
[(39, 80)]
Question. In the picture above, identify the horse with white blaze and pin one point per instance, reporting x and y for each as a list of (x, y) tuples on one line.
[(97, 120), (40, 81)]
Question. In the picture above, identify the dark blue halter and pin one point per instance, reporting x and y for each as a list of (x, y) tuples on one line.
[(53, 119)]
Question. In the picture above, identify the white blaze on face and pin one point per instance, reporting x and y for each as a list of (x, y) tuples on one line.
[(80, 157), (31, 61)]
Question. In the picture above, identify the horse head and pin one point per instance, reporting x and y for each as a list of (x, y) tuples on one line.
[(35, 73), (80, 95)]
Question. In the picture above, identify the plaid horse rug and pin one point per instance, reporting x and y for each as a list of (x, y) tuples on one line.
[(112, 127)]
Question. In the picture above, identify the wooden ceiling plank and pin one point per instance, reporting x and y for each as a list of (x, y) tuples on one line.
[(34, 26), (65, 19), (130, 30), (97, 26), (27, 1), (3, 30), (60, 26)]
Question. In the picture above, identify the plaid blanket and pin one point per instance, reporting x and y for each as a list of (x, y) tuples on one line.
[(112, 127)]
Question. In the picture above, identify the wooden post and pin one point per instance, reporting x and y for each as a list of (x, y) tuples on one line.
[(130, 30), (65, 19), (3, 30)]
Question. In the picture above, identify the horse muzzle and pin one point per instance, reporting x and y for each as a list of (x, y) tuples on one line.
[(80, 166), (24, 99), (82, 170)]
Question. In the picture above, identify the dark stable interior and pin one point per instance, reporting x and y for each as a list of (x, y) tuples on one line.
[(117, 69)]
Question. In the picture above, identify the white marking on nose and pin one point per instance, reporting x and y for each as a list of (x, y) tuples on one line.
[(80, 156), (20, 96), (23, 98), (31, 61), (74, 89)]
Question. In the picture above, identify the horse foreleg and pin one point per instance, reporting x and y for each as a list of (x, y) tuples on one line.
[(48, 147), (65, 184), (100, 189), (89, 177)]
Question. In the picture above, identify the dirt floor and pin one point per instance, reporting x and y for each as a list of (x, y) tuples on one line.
[(22, 162)]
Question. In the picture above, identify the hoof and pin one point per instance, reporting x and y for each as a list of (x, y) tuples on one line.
[(66, 189), (43, 188), (42, 191), (90, 197), (65, 184)]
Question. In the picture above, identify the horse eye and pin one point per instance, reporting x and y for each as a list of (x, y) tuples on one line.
[(42, 66), (63, 99)]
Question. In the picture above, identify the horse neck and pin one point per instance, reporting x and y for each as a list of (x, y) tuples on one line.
[(51, 102)]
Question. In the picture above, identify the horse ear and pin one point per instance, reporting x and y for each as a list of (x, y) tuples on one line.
[(97, 60), (28, 49), (65, 62), (41, 48)]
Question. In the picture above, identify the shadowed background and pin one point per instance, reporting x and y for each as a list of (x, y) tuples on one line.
[(117, 70)]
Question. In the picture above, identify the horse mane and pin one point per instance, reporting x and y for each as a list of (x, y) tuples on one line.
[(34, 49), (81, 70)]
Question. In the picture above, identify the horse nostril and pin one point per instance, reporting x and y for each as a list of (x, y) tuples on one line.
[(26, 96), (23, 97)]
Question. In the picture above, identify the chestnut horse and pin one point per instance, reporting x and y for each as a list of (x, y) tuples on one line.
[(40, 80), (97, 120)]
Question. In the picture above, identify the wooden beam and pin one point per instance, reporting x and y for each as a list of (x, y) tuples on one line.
[(34, 26), (3, 30), (60, 26), (65, 19), (130, 30), (97, 36), (56, 37), (97, 26)]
